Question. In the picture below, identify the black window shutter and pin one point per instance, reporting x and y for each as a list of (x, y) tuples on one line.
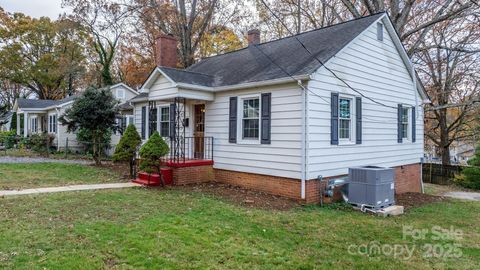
[(334, 119), (358, 118), (399, 124), (232, 121), (144, 115), (173, 108), (266, 118), (414, 128)]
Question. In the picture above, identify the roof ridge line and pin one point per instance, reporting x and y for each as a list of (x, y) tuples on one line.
[(291, 36)]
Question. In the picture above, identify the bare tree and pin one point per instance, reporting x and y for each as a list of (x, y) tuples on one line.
[(106, 22), (412, 19), (186, 20), (451, 70)]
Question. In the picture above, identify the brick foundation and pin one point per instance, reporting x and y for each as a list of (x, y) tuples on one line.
[(407, 179), (282, 186), (193, 174)]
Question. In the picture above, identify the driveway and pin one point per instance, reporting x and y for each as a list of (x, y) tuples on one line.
[(472, 196)]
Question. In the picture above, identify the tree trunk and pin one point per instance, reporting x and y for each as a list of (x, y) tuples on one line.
[(96, 156), (444, 138)]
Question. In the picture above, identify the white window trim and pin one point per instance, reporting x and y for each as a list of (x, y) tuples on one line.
[(353, 119), (409, 123), (240, 139), (159, 118), (34, 124), (50, 124)]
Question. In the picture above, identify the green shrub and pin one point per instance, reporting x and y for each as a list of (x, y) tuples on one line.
[(470, 177), (152, 151), (127, 147), (8, 138), (40, 142)]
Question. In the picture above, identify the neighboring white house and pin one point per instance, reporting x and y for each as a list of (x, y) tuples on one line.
[(42, 116), (6, 121), (276, 117)]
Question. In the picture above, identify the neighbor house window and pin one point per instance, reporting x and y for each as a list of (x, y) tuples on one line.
[(405, 122), (52, 123), (120, 94), (345, 119), (34, 125), (165, 121), (251, 118)]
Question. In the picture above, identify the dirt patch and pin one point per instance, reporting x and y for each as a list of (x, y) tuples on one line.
[(122, 169), (241, 196), (410, 200)]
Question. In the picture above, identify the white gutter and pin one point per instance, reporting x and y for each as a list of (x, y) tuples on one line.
[(242, 85)]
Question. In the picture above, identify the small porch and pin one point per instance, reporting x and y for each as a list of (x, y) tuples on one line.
[(190, 159)]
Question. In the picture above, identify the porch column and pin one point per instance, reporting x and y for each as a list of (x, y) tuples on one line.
[(25, 124), (18, 123)]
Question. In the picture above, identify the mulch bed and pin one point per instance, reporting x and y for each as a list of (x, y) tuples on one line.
[(241, 196), (410, 200)]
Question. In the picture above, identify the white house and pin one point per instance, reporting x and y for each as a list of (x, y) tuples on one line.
[(6, 121), (42, 116), (280, 117)]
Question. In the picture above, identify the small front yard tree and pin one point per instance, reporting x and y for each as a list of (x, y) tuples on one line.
[(93, 112), (151, 153), (127, 147)]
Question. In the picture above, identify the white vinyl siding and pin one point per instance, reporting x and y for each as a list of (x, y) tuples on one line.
[(280, 158), (376, 69), (162, 88)]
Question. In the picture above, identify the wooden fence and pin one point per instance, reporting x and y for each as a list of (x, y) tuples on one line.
[(440, 174)]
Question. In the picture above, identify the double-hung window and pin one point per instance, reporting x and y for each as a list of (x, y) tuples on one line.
[(52, 123), (164, 121), (250, 118), (405, 123), (120, 94), (345, 119), (34, 124)]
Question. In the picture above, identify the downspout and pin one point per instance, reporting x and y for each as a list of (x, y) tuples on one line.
[(58, 130), (304, 164)]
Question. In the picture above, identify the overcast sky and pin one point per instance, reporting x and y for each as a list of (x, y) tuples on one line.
[(34, 8)]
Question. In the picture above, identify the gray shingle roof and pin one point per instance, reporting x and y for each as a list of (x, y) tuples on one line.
[(251, 65), (5, 117), (185, 76), (139, 97), (42, 103)]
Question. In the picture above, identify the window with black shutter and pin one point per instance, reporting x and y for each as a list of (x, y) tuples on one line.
[(144, 123), (232, 121), (334, 119), (266, 118)]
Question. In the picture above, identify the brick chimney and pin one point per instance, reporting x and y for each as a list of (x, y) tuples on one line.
[(253, 37), (166, 51)]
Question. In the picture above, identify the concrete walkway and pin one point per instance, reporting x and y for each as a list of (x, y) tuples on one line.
[(66, 188), (8, 159), (471, 196)]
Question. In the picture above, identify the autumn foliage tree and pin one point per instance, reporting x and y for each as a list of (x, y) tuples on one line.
[(42, 56)]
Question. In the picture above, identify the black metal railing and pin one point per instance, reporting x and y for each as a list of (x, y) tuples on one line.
[(193, 148)]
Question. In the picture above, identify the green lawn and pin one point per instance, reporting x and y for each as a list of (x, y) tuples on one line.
[(31, 175), (173, 229)]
